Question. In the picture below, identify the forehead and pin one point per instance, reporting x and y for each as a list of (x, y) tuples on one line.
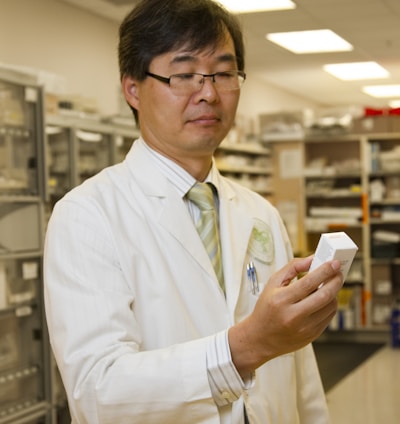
[(220, 52)]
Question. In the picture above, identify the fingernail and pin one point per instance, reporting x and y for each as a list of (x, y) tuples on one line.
[(336, 265)]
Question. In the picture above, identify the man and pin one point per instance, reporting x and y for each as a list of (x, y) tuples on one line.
[(143, 327)]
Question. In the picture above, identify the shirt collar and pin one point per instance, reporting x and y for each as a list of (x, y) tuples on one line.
[(175, 174)]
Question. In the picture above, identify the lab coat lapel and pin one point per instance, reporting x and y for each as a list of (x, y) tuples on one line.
[(176, 219), (168, 207), (235, 229)]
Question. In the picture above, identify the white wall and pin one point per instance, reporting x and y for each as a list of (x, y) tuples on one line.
[(258, 97), (61, 39), (82, 48)]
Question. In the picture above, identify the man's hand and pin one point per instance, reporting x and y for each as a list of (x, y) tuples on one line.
[(287, 316)]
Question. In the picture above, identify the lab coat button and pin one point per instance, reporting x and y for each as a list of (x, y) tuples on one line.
[(226, 395)]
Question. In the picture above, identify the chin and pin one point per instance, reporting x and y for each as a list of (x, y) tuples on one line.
[(209, 140)]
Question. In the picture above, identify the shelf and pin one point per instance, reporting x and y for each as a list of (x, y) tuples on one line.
[(20, 255), (19, 310), (381, 174), (19, 374), (330, 175), (18, 412), (249, 164), (244, 169), (249, 148), (376, 221), (385, 202), (334, 194), (352, 283), (316, 227), (15, 131), (18, 198), (59, 172), (385, 261)]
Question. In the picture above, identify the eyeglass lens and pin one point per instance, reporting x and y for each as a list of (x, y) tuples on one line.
[(192, 82)]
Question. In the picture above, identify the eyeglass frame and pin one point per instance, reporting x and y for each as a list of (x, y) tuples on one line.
[(167, 80)]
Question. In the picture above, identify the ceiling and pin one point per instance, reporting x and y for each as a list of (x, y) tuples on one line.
[(371, 26)]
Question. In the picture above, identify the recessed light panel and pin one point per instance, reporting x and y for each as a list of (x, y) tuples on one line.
[(395, 104), (356, 71), (247, 6), (314, 41), (382, 91)]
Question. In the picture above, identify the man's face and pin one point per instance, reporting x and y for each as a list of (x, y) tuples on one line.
[(186, 127)]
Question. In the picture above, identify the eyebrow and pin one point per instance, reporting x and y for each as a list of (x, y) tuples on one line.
[(188, 58)]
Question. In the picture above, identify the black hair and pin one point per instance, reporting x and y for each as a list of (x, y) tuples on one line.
[(155, 27)]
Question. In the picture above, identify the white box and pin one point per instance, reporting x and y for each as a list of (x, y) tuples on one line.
[(335, 246)]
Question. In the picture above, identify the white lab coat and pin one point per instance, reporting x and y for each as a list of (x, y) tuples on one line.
[(131, 300)]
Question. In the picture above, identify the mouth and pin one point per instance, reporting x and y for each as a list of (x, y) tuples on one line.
[(209, 119)]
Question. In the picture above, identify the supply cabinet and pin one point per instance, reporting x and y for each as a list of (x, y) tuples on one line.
[(25, 372), (334, 201), (79, 148), (384, 211), (248, 163), (347, 182), (352, 184), (76, 150)]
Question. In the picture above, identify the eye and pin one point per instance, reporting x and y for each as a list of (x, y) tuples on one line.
[(184, 77), (225, 75)]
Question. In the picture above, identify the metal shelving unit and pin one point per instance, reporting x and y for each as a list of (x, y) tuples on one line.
[(25, 370), (373, 285), (249, 163)]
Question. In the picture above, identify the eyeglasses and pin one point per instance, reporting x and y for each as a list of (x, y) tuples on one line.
[(189, 83)]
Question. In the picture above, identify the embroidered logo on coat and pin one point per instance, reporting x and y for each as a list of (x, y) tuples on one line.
[(261, 245)]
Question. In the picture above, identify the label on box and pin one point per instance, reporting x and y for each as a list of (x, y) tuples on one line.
[(335, 246)]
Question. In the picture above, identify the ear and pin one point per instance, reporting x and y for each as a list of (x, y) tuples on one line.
[(130, 90)]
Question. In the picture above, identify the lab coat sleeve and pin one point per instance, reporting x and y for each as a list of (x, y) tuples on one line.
[(96, 339)]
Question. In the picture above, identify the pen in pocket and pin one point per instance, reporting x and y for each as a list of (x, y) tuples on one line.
[(252, 278)]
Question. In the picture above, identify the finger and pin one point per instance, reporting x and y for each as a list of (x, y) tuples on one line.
[(321, 318), (323, 298), (309, 284), (290, 271)]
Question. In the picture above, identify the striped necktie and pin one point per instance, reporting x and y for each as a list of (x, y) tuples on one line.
[(201, 194)]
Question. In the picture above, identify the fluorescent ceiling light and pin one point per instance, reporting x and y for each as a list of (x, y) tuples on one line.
[(395, 104), (382, 91), (356, 71), (315, 41), (247, 6)]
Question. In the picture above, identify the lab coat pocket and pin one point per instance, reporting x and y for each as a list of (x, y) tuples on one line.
[(261, 243), (259, 265), (260, 257)]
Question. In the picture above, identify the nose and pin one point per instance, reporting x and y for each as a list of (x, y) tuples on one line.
[(207, 92)]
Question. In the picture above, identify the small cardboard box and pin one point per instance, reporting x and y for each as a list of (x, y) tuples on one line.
[(371, 124), (335, 246)]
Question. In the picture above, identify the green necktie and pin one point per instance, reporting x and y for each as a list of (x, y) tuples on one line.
[(201, 194)]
